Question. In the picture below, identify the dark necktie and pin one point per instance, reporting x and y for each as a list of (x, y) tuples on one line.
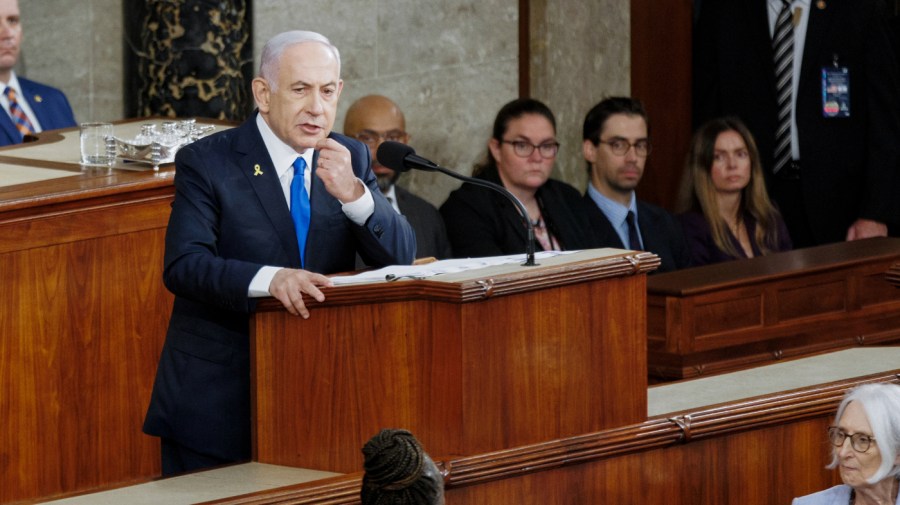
[(634, 240), (17, 114), (783, 45), (300, 206)]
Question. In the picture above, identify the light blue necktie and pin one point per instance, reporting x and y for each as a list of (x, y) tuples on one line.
[(300, 206)]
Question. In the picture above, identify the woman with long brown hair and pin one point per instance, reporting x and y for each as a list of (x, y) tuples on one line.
[(731, 215)]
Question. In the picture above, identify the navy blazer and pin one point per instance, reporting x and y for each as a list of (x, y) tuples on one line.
[(49, 105), (230, 218), (660, 234)]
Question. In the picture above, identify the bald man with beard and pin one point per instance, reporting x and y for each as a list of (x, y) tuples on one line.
[(373, 119)]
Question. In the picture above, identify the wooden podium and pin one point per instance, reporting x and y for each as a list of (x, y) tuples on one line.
[(471, 362)]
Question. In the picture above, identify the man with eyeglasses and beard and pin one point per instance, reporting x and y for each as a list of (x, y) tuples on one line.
[(616, 145), (373, 119)]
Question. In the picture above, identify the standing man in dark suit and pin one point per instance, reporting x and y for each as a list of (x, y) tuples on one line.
[(244, 200), (838, 176), (373, 119), (31, 107), (616, 144)]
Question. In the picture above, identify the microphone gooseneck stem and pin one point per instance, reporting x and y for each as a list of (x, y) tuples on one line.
[(529, 242)]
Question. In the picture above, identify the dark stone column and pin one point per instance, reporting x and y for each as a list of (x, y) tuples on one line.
[(188, 58)]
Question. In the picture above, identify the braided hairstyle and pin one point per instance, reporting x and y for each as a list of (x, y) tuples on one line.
[(398, 472)]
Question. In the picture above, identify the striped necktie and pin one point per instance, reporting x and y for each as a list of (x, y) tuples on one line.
[(17, 114), (300, 206), (783, 46)]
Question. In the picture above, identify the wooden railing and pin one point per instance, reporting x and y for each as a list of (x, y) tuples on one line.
[(761, 450)]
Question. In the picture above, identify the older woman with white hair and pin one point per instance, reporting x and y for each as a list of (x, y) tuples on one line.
[(866, 436)]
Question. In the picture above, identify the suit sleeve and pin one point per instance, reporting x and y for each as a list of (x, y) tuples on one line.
[(386, 238), (194, 266)]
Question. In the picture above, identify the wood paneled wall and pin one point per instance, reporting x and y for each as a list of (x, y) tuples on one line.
[(82, 323)]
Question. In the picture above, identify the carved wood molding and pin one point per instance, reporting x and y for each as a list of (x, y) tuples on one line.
[(658, 432)]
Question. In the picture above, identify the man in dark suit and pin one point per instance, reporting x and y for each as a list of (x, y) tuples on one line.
[(31, 107), (616, 145), (232, 237), (373, 119), (841, 181)]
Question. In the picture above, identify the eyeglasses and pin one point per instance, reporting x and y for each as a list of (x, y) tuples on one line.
[(620, 147), (372, 138), (524, 149), (859, 441)]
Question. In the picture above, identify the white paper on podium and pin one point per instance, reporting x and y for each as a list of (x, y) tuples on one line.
[(413, 272)]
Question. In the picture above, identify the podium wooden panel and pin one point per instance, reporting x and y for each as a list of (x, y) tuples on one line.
[(83, 321), (733, 315), (469, 362)]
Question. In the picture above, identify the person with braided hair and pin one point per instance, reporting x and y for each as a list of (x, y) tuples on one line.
[(399, 472)]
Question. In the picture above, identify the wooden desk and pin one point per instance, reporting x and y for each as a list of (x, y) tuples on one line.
[(732, 315), (83, 320)]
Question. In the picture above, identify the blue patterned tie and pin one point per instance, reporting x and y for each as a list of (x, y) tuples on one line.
[(17, 114), (300, 206)]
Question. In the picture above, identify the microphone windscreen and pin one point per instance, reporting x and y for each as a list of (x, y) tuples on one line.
[(392, 155)]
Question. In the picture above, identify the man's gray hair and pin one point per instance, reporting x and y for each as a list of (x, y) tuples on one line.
[(274, 48)]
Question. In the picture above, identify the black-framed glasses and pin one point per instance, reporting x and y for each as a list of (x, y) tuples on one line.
[(860, 442), (524, 149), (372, 138), (620, 146)]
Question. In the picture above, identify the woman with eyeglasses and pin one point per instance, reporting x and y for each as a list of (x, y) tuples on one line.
[(730, 214), (521, 154), (866, 440)]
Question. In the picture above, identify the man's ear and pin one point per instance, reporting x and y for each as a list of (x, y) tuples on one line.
[(588, 150), (261, 94)]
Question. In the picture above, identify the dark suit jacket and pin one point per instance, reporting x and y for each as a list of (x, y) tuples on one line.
[(431, 234), (226, 224), (482, 222), (704, 250), (849, 164), (660, 234), (49, 105)]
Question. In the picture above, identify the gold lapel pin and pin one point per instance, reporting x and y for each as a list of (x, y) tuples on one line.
[(257, 170), (38, 98), (821, 5)]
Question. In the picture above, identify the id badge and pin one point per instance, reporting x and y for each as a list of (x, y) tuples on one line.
[(835, 91)]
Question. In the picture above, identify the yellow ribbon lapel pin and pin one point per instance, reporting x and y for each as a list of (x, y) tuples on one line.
[(257, 170)]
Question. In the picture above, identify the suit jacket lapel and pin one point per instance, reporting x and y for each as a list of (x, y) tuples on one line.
[(267, 187)]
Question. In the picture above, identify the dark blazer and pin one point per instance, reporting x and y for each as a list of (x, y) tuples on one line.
[(660, 234), (483, 222), (704, 250), (49, 105), (226, 223), (850, 163), (431, 234)]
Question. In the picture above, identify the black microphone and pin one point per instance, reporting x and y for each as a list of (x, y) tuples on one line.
[(402, 158)]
